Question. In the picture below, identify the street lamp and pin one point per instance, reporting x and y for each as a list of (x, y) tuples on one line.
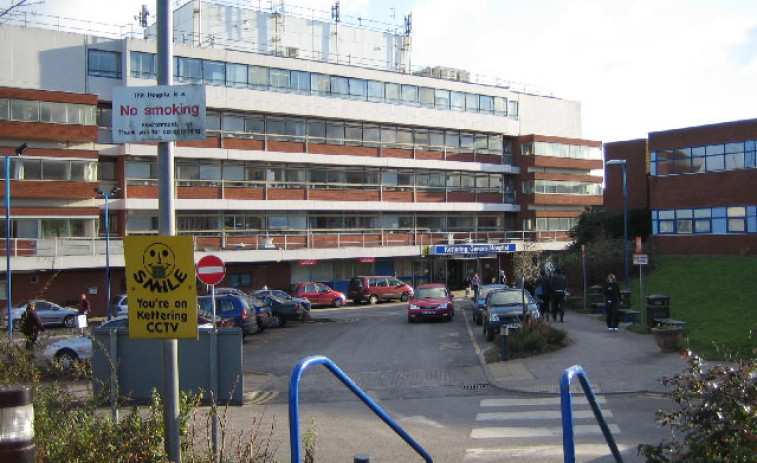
[(17, 152), (107, 196), (622, 163)]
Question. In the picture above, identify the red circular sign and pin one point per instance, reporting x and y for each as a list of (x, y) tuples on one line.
[(211, 270)]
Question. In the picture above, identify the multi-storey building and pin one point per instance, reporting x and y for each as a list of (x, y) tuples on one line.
[(699, 187), (326, 155)]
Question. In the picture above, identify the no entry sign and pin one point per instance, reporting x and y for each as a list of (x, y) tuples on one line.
[(211, 270)]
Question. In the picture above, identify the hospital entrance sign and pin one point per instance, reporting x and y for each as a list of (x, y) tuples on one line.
[(161, 286), (444, 249)]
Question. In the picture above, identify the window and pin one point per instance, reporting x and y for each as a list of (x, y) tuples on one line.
[(103, 63), (144, 65), (375, 91), (426, 97), (236, 75), (457, 101), (471, 102), (24, 110), (358, 89), (188, 69), (53, 112), (340, 86), (392, 92), (300, 82), (410, 94), (257, 77), (486, 104), (279, 79), (320, 84), (214, 73), (500, 106), (441, 99)]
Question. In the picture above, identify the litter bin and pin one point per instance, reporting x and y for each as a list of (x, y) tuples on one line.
[(658, 306), (625, 299)]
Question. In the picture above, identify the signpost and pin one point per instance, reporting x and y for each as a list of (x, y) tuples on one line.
[(641, 260), (211, 271)]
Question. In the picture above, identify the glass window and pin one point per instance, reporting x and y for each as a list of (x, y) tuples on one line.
[(392, 92), (300, 82), (234, 125), (452, 139), (486, 104), (236, 75), (317, 130), (279, 79), (102, 63), (275, 126), (188, 69), (295, 128), (471, 102), (53, 112), (405, 138), (353, 134), (500, 106), (466, 142), (358, 89), (388, 135), (24, 110), (55, 170), (436, 140), (258, 77), (320, 84), (410, 94), (457, 101), (144, 65), (441, 99), (30, 169), (421, 138), (214, 72), (512, 109), (335, 133), (426, 97), (340, 86), (371, 135), (375, 91), (4, 108), (255, 125)]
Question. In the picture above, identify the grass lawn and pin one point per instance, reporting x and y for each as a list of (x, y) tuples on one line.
[(716, 297)]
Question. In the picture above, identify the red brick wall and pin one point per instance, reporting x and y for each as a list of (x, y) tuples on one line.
[(703, 190), (703, 135), (634, 152), (48, 131)]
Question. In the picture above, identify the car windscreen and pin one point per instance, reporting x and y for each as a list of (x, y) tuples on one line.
[(508, 298), (430, 293)]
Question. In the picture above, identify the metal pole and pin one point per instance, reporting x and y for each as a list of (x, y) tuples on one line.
[(625, 228), (8, 243), (167, 227), (107, 254), (214, 374)]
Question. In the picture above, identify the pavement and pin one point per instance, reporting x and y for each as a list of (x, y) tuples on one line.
[(614, 362)]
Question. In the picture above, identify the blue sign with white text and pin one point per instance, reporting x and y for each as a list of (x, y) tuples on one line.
[(471, 248)]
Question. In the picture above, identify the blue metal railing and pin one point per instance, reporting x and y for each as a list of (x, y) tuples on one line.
[(566, 403), (294, 407)]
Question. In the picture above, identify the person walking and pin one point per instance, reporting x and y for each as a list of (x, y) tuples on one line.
[(612, 296), (557, 295), (31, 325), (84, 306), (501, 279), (475, 282), (542, 292)]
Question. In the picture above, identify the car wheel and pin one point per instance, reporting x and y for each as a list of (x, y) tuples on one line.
[(338, 302), (404, 297), (373, 299), (69, 321), (278, 320), (66, 359)]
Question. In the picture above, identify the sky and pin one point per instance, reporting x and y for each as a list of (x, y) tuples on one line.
[(636, 66)]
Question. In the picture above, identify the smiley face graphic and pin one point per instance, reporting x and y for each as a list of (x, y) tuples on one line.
[(159, 260)]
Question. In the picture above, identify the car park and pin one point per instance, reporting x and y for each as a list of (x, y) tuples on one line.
[(373, 289), (431, 301), (50, 313), (283, 295), (479, 300), (509, 308), (236, 307), (284, 310), (319, 294)]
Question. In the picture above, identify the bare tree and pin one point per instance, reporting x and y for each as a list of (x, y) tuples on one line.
[(16, 6)]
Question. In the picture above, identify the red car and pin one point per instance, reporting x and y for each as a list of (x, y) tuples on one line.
[(431, 301), (318, 294)]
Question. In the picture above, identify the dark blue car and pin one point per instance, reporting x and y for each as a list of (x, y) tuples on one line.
[(236, 307)]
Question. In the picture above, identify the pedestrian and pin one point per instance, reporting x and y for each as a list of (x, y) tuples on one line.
[(557, 295), (474, 283), (612, 296), (542, 293), (501, 277), (31, 325), (84, 306)]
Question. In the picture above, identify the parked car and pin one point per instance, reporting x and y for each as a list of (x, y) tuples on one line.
[(284, 310), (70, 351), (50, 313), (505, 307), (283, 295), (431, 301), (319, 294), (119, 305), (480, 300), (263, 312), (236, 307), (378, 288)]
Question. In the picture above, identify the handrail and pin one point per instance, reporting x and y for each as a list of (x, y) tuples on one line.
[(294, 408), (566, 404)]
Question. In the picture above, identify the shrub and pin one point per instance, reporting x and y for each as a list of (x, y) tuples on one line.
[(716, 418)]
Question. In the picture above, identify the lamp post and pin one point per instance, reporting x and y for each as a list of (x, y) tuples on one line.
[(18, 152), (622, 163), (107, 196)]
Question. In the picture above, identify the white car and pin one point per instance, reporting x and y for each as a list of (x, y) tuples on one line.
[(67, 352)]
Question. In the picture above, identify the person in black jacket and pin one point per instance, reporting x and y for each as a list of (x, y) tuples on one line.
[(542, 293), (612, 296), (31, 325), (557, 295)]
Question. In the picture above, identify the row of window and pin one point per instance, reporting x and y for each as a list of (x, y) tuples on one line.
[(708, 158), (45, 227), (12, 109), (193, 172), (561, 187), (561, 150), (705, 220), (29, 168), (201, 71), (241, 223), (544, 224)]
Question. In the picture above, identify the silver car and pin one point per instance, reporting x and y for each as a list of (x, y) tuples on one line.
[(50, 313)]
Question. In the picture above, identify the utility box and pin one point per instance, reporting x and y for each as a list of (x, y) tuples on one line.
[(658, 306), (139, 364)]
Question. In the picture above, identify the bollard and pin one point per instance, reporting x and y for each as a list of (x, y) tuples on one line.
[(362, 458), (504, 333), (16, 426)]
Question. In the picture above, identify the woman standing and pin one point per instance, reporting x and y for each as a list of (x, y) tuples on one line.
[(612, 296)]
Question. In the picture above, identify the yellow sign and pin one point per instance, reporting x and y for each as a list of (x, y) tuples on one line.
[(161, 285)]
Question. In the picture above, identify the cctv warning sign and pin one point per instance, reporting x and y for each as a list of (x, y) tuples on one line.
[(160, 283)]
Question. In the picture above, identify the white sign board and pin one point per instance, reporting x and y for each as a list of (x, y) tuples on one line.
[(641, 259), (160, 113)]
